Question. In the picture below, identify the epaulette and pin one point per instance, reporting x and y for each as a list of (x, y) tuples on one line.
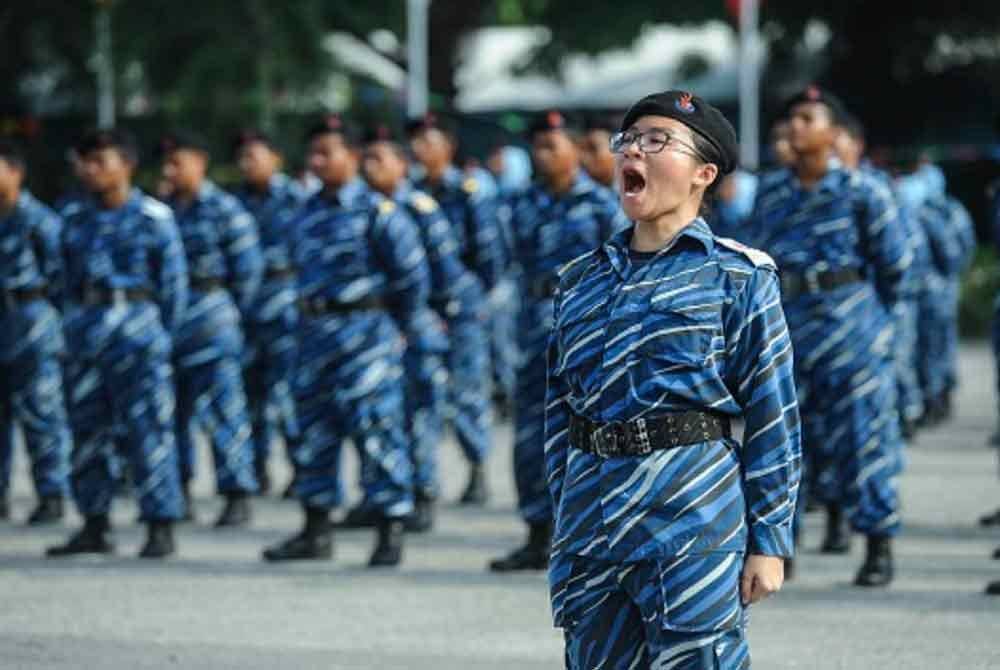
[(470, 185), (423, 203), (386, 207), (756, 256)]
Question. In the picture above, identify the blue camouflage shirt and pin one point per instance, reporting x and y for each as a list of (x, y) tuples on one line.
[(470, 202), (950, 234), (552, 230), (221, 243), (135, 246), (30, 258), (697, 326), (356, 245)]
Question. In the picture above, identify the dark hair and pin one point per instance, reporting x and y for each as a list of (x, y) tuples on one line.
[(12, 152), (708, 153), (852, 126), (334, 124), (111, 138)]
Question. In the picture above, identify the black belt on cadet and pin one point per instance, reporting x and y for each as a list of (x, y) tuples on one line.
[(100, 295), (206, 284), (644, 436), (543, 287), (795, 284), (279, 273), (13, 297), (320, 306)]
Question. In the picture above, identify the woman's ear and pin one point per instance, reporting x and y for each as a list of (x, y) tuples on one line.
[(706, 174)]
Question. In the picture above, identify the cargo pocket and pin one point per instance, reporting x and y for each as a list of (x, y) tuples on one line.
[(701, 592)]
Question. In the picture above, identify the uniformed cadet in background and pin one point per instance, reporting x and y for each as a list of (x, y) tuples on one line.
[(469, 200), (563, 215), (126, 292), (843, 256), (363, 283), (595, 149), (31, 340), (667, 528), (225, 263), (269, 196), (454, 313)]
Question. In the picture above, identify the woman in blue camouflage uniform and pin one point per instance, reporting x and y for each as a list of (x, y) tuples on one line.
[(666, 527)]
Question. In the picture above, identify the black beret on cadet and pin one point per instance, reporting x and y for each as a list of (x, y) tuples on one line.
[(553, 119), (182, 139), (109, 138), (821, 96), (251, 135), (380, 132), (697, 115), (337, 125), (429, 121)]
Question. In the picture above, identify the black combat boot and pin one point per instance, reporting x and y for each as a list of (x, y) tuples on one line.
[(993, 588), (189, 514), (877, 570), (991, 519), (236, 512), (91, 539), (388, 544), (421, 520), (996, 554), (534, 555), (49, 510), (315, 541), (360, 516), (838, 538), (4, 508), (263, 476), (476, 492), (159, 540)]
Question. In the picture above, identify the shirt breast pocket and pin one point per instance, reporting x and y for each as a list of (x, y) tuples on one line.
[(679, 338), (579, 333)]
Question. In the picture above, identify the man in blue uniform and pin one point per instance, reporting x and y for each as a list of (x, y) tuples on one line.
[(596, 156), (843, 256), (562, 216), (363, 286), (269, 196), (225, 262), (470, 203), (667, 528), (31, 341), (126, 291)]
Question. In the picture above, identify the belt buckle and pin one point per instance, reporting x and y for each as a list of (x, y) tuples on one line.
[(812, 282), (601, 437), (638, 436)]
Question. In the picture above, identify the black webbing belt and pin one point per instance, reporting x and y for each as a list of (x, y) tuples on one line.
[(795, 284), (644, 436)]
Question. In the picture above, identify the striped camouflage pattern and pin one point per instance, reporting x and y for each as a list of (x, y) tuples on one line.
[(221, 243), (548, 232), (697, 326), (269, 324), (119, 380), (349, 246), (844, 367), (31, 343)]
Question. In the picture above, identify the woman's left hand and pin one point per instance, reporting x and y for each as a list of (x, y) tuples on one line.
[(762, 576)]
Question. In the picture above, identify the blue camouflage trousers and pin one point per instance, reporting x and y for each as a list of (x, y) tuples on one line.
[(937, 341), (31, 394), (425, 397), (342, 393), (995, 339), (909, 394), (124, 396), (504, 303), (533, 499), (469, 386), (210, 396), (682, 614)]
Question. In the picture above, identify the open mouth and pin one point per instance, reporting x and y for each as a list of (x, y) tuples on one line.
[(633, 182)]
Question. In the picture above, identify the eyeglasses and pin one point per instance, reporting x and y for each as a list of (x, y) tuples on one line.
[(652, 141)]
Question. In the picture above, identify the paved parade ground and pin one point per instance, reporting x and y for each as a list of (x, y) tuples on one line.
[(216, 605)]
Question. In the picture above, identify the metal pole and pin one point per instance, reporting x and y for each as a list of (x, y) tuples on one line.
[(105, 66), (749, 85), (416, 56)]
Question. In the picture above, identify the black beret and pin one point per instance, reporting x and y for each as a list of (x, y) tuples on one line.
[(697, 115), (109, 138), (605, 122), (12, 152), (553, 119), (380, 132), (430, 121), (250, 135), (821, 96), (182, 139), (337, 125)]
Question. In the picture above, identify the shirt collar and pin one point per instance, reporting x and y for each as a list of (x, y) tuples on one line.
[(403, 191), (696, 232)]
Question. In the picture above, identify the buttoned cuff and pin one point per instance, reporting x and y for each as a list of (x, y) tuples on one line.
[(771, 540)]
